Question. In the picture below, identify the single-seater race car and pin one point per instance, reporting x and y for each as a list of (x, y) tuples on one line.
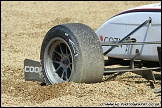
[(74, 52)]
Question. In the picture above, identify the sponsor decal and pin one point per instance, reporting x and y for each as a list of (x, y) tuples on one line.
[(105, 38), (31, 69)]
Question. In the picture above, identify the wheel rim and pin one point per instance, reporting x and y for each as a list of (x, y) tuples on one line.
[(58, 61)]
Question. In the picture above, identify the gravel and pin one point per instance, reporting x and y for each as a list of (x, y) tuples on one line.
[(23, 27)]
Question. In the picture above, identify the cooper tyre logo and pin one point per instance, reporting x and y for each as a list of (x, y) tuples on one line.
[(31, 69)]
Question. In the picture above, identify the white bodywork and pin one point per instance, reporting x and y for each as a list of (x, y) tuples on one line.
[(122, 24)]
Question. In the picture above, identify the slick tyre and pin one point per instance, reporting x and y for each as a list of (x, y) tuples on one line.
[(71, 52)]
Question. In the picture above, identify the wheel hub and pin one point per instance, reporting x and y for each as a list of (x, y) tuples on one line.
[(66, 61)]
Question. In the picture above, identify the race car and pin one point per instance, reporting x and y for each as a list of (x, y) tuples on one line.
[(74, 52)]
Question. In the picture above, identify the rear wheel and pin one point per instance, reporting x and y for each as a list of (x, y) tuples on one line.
[(71, 52)]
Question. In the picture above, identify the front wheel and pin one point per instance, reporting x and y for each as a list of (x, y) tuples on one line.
[(71, 52)]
